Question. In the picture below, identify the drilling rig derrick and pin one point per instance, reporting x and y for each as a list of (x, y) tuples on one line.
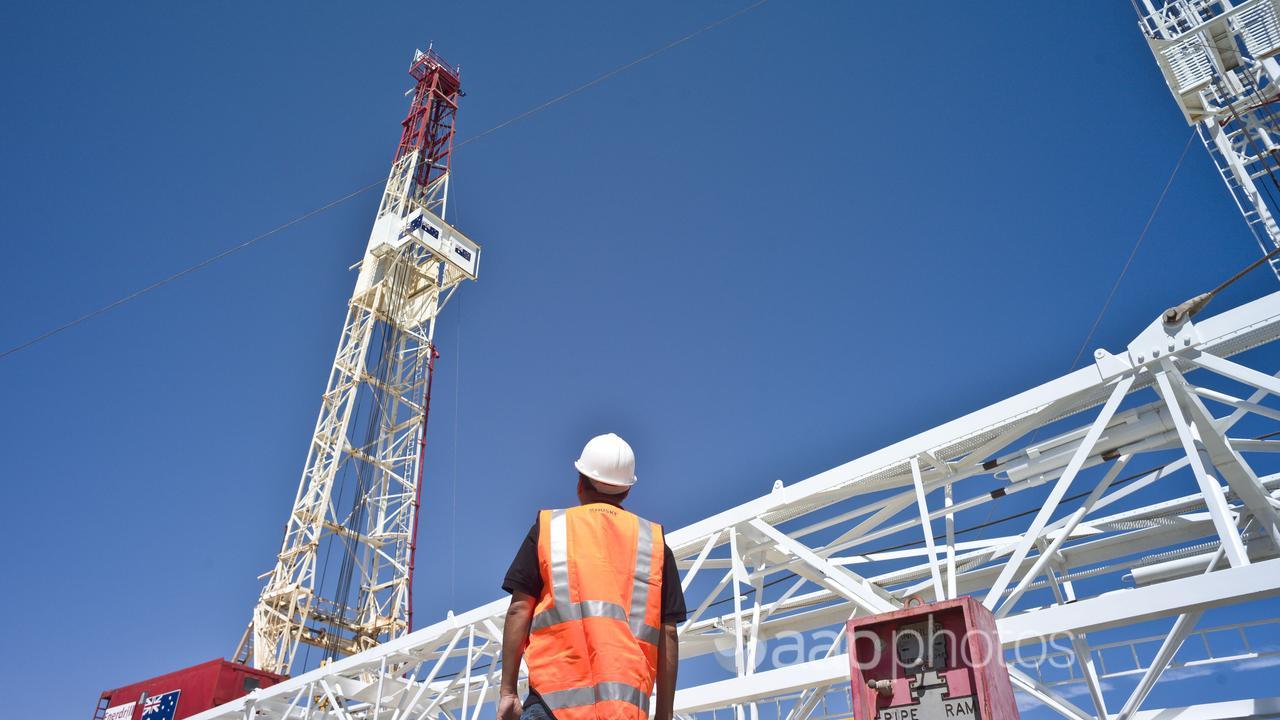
[(343, 578)]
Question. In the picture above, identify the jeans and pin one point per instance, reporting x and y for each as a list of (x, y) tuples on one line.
[(536, 711)]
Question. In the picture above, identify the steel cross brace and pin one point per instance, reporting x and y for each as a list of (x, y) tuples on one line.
[(1235, 469)]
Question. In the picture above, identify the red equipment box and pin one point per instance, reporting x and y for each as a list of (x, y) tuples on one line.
[(940, 661), (183, 693)]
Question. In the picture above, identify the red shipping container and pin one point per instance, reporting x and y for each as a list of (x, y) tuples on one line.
[(185, 692), (940, 661)]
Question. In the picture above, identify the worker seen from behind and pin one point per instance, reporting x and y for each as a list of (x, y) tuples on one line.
[(595, 598)]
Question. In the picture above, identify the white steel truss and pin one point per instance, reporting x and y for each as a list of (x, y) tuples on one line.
[(1139, 503), (354, 518), (1218, 59)]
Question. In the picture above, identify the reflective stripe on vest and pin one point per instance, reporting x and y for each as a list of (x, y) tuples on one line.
[(564, 609), (593, 694), (640, 590)]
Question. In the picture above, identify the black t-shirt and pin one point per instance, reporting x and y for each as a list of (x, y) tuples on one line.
[(524, 576)]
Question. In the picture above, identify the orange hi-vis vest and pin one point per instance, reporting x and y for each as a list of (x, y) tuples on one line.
[(593, 643)]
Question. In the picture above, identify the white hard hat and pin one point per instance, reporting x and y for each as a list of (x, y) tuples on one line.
[(610, 462)]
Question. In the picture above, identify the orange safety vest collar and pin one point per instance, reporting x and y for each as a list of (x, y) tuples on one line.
[(592, 651)]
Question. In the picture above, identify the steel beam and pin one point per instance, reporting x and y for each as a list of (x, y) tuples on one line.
[(774, 557)]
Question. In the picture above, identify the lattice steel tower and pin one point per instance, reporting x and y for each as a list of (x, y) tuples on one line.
[(342, 580), (1218, 58)]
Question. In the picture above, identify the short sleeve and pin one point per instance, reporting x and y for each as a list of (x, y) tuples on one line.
[(524, 575), (673, 608)]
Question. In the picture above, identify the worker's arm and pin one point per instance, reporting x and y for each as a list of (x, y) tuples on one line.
[(515, 636), (668, 665)]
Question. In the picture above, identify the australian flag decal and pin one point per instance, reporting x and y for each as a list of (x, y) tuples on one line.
[(161, 707)]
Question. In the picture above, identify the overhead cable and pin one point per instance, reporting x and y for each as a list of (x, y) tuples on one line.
[(1132, 253), (311, 213), (186, 271)]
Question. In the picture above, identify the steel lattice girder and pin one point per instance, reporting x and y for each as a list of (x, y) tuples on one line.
[(1219, 62), (794, 534)]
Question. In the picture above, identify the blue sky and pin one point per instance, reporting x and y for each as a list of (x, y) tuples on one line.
[(804, 235)]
